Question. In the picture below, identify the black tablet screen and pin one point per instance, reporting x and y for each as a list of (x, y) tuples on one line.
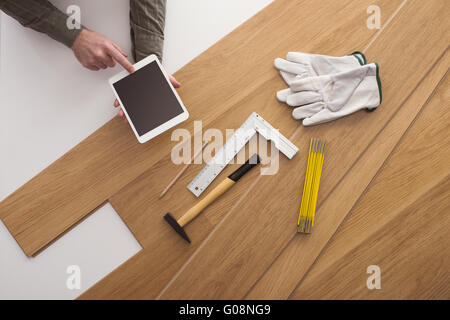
[(148, 98)]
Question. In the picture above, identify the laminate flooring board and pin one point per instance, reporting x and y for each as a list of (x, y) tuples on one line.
[(84, 178), (89, 174), (281, 278), (137, 202), (140, 193), (252, 235), (401, 223)]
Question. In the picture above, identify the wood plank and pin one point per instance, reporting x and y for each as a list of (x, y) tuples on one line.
[(252, 235), (137, 203), (84, 178), (141, 192), (401, 224), (281, 278)]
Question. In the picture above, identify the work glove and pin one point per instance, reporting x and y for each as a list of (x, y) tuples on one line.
[(325, 98), (303, 65)]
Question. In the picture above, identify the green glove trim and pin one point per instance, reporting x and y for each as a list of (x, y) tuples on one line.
[(357, 58), (363, 56), (380, 91)]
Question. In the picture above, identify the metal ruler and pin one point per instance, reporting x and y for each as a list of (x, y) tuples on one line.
[(254, 123)]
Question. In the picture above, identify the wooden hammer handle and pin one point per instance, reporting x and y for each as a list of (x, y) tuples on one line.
[(206, 201)]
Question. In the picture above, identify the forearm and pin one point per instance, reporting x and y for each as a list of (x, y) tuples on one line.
[(147, 21), (41, 16)]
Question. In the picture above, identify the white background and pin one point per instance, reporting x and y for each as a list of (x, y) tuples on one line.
[(49, 103)]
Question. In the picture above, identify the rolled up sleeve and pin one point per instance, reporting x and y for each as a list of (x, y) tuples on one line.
[(147, 21), (41, 16)]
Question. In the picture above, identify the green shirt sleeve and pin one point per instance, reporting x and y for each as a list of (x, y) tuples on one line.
[(147, 21), (42, 16)]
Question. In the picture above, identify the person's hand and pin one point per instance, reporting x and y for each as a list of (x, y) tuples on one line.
[(120, 113), (95, 52)]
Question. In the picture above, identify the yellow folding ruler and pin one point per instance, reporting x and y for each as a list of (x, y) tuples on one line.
[(311, 187)]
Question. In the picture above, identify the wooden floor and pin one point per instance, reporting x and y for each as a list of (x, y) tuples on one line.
[(385, 192)]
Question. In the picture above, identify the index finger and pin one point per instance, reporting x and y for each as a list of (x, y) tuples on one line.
[(116, 55)]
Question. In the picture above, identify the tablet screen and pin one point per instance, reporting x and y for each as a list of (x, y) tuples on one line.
[(148, 98)]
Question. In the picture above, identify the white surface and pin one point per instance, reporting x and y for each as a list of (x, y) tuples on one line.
[(97, 245), (49, 103), (170, 123)]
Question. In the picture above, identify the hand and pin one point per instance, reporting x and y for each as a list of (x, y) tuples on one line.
[(95, 52), (120, 113)]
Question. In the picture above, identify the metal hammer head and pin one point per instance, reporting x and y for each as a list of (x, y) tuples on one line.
[(176, 226)]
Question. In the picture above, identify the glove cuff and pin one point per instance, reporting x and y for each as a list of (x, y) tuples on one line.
[(380, 90), (360, 57)]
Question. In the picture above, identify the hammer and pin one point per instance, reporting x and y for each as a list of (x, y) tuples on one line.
[(226, 184)]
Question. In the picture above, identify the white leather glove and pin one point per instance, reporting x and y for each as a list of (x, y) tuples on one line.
[(303, 65), (328, 97)]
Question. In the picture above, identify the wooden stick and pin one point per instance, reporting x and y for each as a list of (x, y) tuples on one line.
[(181, 172)]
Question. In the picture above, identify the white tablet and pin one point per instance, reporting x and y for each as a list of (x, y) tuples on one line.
[(148, 99)]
